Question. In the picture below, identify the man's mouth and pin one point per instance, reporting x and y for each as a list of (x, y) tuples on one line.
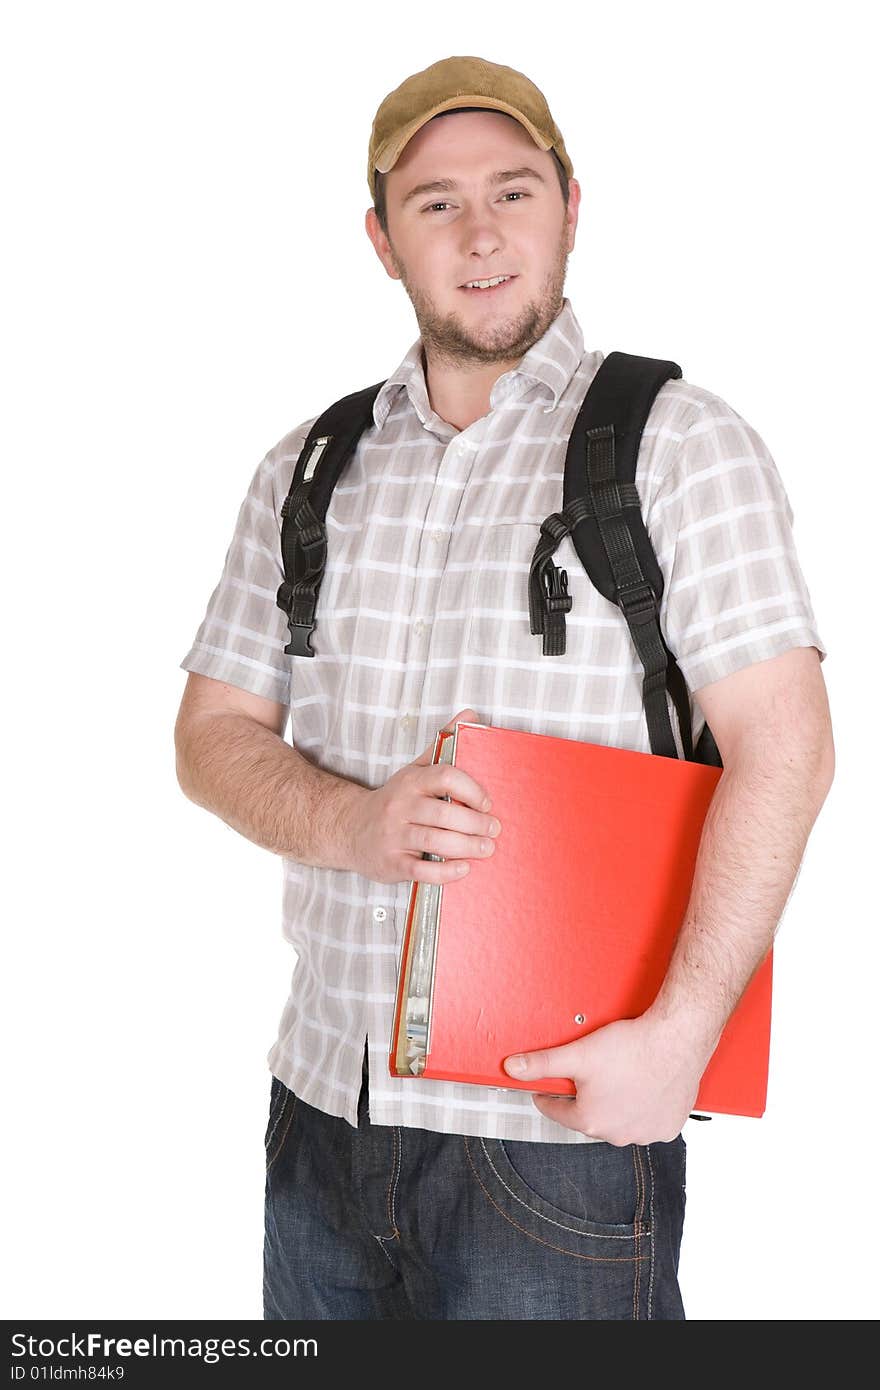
[(492, 286)]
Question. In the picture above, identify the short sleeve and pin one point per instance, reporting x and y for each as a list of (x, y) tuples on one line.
[(721, 526), (242, 636)]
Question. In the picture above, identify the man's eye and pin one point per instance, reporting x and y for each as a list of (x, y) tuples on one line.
[(514, 193)]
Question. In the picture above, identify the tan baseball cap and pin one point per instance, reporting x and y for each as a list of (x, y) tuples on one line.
[(448, 85)]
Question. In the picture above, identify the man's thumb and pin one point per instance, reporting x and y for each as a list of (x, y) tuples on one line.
[(467, 716), (548, 1061)]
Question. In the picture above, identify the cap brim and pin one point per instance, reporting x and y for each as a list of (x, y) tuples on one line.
[(388, 155)]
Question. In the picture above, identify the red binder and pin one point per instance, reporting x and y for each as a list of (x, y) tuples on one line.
[(570, 924)]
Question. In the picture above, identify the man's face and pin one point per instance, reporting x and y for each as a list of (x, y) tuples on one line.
[(476, 228)]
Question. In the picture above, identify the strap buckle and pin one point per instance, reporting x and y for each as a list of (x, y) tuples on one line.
[(557, 599), (300, 610), (299, 639), (638, 603), (556, 602)]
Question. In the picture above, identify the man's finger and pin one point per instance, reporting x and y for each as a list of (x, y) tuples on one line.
[(548, 1061), (558, 1108), (466, 716)]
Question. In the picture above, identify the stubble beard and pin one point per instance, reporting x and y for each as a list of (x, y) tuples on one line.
[(446, 338)]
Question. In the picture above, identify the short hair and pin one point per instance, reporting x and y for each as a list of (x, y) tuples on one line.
[(381, 208)]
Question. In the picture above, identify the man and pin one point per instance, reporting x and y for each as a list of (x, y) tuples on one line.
[(390, 1197)]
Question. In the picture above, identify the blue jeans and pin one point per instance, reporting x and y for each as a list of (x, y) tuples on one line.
[(387, 1221)]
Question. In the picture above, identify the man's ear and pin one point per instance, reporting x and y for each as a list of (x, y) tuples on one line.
[(571, 211), (381, 244)]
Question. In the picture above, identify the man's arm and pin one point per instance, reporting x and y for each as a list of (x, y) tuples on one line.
[(637, 1079), (233, 760), (772, 725)]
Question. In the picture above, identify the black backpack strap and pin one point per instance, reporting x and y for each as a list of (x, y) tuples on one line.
[(328, 447), (602, 511)]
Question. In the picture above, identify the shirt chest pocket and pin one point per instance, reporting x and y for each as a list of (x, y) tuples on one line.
[(498, 622)]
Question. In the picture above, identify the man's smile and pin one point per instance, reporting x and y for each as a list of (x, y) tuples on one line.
[(488, 288)]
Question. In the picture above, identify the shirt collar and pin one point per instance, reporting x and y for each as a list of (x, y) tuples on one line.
[(549, 365)]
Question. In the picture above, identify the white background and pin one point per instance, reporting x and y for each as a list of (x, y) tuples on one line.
[(186, 278)]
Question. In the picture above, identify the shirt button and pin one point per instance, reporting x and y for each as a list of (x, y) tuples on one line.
[(407, 721), (437, 536), (419, 627), (379, 914)]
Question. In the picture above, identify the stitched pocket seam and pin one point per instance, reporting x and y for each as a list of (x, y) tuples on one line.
[(290, 1105), (575, 1254), (276, 1111), (634, 1235)]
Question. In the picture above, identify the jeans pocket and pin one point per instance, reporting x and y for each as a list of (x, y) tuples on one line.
[(281, 1106), (594, 1195)]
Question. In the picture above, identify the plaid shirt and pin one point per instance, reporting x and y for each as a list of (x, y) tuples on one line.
[(423, 611)]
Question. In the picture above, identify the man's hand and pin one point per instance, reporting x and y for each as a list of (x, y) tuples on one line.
[(390, 827), (636, 1082)]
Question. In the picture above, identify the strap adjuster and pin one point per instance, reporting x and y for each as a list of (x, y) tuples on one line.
[(555, 527), (299, 644), (638, 603), (300, 611), (556, 602), (557, 599)]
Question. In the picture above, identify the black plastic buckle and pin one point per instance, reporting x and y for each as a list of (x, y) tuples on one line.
[(299, 639), (639, 604), (557, 599), (556, 603), (300, 632)]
